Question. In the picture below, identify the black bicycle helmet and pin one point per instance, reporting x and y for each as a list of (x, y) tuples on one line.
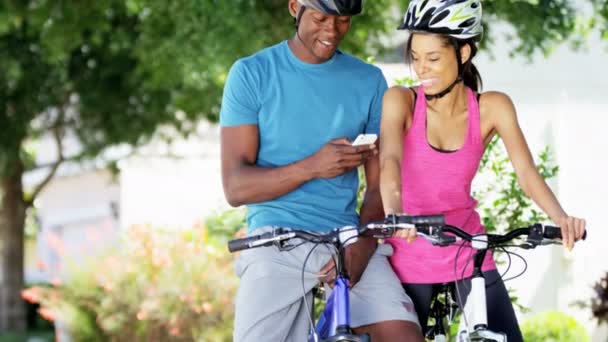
[(460, 19), (335, 7)]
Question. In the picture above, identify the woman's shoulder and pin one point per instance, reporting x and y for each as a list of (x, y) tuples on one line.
[(399, 94), (496, 106), (494, 98)]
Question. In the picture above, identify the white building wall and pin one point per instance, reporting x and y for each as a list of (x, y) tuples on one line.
[(174, 192), (78, 219)]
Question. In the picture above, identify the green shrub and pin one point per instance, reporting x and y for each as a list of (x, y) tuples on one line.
[(599, 303), (158, 285), (553, 326)]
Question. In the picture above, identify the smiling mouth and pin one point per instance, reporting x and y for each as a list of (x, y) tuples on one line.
[(327, 44), (428, 82)]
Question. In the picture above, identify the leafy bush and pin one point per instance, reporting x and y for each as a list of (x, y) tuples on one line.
[(502, 202), (553, 326), (598, 304), (158, 285)]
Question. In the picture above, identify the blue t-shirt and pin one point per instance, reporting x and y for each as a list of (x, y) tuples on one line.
[(298, 108)]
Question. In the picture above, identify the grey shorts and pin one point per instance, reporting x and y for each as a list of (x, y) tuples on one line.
[(270, 303)]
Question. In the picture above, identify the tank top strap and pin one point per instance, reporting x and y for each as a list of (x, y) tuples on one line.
[(474, 129), (419, 119)]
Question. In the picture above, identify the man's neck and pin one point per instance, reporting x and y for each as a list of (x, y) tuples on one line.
[(302, 52)]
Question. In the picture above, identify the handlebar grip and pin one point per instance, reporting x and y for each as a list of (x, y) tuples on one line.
[(552, 232), (244, 243), (427, 220)]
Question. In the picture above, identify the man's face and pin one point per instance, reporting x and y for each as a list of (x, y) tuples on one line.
[(321, 34)]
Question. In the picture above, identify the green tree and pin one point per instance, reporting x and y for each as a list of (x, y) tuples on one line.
[(111, 72)]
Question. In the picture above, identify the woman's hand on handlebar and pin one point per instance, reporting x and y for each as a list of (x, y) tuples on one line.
[(408, 234), (572, 230)]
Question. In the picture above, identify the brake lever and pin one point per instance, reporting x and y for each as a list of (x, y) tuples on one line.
[(535, 236), (439, 238), (534, 243), (547, 242), (280, 239)]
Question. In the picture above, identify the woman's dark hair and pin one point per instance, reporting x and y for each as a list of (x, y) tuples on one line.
[(468, 71)]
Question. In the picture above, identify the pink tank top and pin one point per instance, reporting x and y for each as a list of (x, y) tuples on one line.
[(435, 182)]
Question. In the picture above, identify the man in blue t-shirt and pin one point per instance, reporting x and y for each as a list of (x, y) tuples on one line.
[(289, 115)]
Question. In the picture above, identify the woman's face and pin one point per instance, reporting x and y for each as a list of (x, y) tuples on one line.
[(434, 61)]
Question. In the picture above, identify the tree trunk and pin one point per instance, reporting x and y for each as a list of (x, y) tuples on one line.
[(12, 221)]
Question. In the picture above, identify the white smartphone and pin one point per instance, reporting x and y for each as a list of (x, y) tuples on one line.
[(365, 139)]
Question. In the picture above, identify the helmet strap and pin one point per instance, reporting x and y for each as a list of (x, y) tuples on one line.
[(445, 91), (297, 24), (299, 17), (456, 81)]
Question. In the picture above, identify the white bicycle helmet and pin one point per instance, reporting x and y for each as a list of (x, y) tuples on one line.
[(460, 19)]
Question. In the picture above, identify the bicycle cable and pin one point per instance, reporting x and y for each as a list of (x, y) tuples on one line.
[(525, 266), (458, 294), (308, 309), (501, 276)]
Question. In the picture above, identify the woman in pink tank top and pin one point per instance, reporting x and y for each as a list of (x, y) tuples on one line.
[(432, 140)]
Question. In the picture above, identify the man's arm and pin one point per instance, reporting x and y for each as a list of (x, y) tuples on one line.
[(244, 182), (371, 208), (359, 253)]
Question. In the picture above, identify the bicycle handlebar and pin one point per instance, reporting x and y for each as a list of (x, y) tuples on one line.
[(431, 227), (269, 238)]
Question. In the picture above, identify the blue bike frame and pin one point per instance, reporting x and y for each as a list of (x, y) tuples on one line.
[(336, 312), (334, 322)]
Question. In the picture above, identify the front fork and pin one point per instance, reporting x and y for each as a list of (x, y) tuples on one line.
[(474, 321)]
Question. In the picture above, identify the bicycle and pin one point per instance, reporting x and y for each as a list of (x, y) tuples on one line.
[(334, 323), (474, 323)]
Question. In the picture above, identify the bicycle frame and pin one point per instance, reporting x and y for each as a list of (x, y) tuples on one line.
[(334, 322)]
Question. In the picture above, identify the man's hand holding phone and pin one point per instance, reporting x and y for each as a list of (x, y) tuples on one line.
[(365, 139), (341, 155)]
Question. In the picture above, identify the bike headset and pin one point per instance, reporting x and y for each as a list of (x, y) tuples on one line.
[(459, 19)]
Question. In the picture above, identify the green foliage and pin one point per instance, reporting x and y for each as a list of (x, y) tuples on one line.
[(43, 336), (599, 304), (157, 286), (502, 202), (601, 8), (223, 226), (553, 326), (406, 82), (539, 25)]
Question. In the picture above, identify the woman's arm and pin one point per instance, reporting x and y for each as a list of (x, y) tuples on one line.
[(396, 104), (504, 121), (397, 107)]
